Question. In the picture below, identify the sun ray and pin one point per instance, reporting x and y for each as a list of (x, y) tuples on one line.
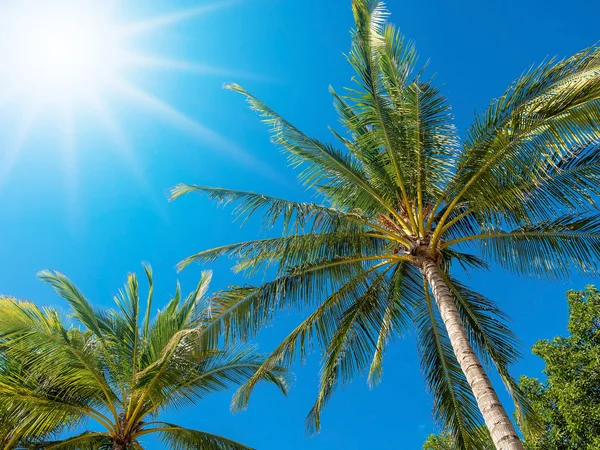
[(157, 62), (173, 18), (201, 132), (151, 61), (68, 138), (11, 152), (126, 153), (63, 55), (9, 94)]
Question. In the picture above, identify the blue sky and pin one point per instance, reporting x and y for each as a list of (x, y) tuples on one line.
[(80, 200)]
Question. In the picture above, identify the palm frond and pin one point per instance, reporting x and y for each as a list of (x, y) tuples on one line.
[(316, 330), (83, 310), (545, 113), (550, 248), (403, 296), (240, 311), (321, 163), (350, 348), (179, 438)]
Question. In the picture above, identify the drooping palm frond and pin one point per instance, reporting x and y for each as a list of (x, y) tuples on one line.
[(240, 312), (316, 330), (547, 249)]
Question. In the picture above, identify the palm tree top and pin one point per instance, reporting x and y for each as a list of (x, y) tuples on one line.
[(520, 177), (120, 368), (401, 192)]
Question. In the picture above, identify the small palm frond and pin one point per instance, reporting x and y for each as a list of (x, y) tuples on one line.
[(83, 310)]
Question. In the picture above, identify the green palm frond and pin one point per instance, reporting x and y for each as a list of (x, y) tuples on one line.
[(319, 327), (402, 297), (241, 311), (284, 251), (545, 113), (295, 215), (83, 310), (352, 345), (549, 248)]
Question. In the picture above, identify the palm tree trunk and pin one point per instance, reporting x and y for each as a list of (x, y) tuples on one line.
[(119, 446), (498, 422)]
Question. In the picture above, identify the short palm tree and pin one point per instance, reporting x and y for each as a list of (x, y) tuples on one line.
[(401, 197), (118, 368)]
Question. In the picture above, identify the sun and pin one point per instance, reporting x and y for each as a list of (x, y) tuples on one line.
[(58, 51), (60, 57)]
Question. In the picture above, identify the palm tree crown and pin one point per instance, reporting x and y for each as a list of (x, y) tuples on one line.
[(120, 369), (402, 198)]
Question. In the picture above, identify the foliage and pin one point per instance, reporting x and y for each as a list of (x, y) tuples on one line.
[(119, 368), (444, 441), (398, 187), (569, 399)]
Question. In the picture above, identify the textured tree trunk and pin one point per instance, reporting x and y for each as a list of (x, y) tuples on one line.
[(118, 446), (498, 422)]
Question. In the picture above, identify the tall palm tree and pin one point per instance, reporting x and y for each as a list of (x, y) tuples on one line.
[(401, 197), (119, 368)]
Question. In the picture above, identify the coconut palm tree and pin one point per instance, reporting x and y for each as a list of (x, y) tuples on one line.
[(400, 200), (119, 368)]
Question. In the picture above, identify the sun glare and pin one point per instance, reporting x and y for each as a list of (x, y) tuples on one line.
[(60, 50), (62, 55)]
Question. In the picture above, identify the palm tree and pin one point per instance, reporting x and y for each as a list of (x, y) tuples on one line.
[(118, 368), (401, 198)]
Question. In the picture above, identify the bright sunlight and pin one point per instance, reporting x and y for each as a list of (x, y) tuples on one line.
[(61, 51), (61, 57)]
